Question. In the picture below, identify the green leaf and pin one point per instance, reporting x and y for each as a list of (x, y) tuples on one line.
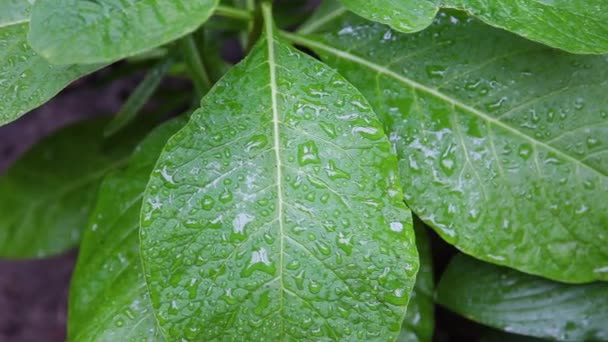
[(13, 12), (419, 324), (46, 196), (276, 213), (108, 296), (402, 15), (26, 80), (524, 304), (578, 26), (502, 142), (86, 32)]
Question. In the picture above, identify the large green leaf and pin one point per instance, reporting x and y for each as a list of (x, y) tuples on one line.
[(524, 304), (419, 324), (108, 296), (276, 213), (579, 26), (502, 141), (83, 31), (46, 196), (26, 79)]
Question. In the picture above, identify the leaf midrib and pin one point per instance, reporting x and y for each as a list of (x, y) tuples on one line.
[(276, 142), (434, 92)]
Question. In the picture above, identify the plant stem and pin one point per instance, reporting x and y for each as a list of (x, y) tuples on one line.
[(194, 61), (233, 13)]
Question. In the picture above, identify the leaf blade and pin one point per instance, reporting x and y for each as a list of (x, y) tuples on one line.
[(237, 160), (107, 31), (524, 304), (498, 145)]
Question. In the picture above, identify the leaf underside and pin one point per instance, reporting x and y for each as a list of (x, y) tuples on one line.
[(578, 26), (502, 142), (108, 296), (276, 213), (82, 31), (524, 304)]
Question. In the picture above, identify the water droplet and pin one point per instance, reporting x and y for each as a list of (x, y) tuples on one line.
[(435, 71), (308, 153), (240, 221), (314, 287), (207, 202), (593, 142), (226, 196), (525, 151), (256, 142)]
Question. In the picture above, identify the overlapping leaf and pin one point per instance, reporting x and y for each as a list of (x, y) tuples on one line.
[(419, 324), (46, 196), (26, 79), (108, 296), (276, 212), (502, 141), (82, 31), (579, 26), (524, 304)]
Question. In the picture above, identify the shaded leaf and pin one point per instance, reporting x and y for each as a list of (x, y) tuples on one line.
[(108, 296), (47, 195), (85, 32), (579, 26), (524, 304), (419, 324), (26, 80), (276, 212), (502, 142)]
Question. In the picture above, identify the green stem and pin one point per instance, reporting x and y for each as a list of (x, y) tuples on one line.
[(233, 13), (194, 61)]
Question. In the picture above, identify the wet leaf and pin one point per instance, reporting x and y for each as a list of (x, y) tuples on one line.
[(524, 304), (579, 26), (108, 296), (502, 141), (276, 212), (86, 32), (46, 196), (419, 324), (26, 79)]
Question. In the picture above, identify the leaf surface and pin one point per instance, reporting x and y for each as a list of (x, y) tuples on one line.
[(524, 304), (502, 142), (419, 324), (47, 195), (26, 79), (578, 26), (86, 32), (276, 213), (108, 296)]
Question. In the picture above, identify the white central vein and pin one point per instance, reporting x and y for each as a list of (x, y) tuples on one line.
[(277, 152), (439, 95)]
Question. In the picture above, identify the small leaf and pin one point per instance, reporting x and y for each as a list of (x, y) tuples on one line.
[(26, 80), (419, 324), (108, 296), (46, 196), (502, 142), (276, 212), (578, 26), (524, 304), (86, 32)]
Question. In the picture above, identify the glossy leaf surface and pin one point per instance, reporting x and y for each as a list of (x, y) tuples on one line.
[(524, 304), (403, 15), (276, 212), (502, 141), (108, 296), (26, 79), (419, 323), (579, 26), (47, 195), (84, 32)]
